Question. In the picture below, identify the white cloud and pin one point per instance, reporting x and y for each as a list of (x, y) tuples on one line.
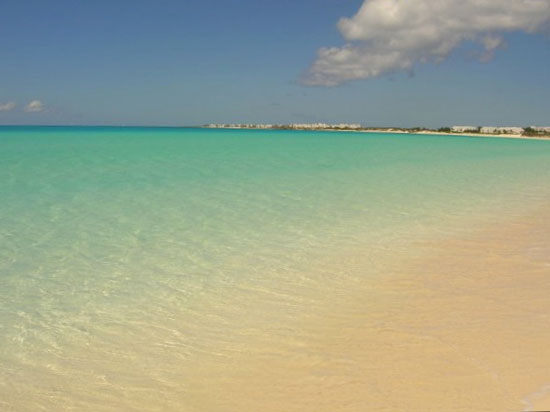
[(388, 36), (35, 106), (6, 107)]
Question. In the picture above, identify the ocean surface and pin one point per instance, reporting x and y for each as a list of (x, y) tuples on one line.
[(174, 269)]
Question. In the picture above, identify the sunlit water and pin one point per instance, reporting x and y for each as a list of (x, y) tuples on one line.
[(140, 268)]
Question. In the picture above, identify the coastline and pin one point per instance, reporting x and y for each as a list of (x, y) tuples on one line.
[(391, 131), (503, 136)]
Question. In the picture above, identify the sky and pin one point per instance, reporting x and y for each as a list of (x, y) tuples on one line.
[(405, 63)]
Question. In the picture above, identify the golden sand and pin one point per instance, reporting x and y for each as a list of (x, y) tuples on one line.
[(461, 324)]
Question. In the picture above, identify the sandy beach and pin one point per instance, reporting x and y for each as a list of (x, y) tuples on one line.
[(502, 135), (461, 326), (435, 133)]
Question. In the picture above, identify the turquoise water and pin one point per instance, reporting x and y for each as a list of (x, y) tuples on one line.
[(133, 256)]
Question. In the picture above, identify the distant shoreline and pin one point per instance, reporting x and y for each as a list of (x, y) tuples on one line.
[(389, 131), (435, 133)]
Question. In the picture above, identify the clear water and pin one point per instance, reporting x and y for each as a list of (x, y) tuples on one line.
[(137, 263)]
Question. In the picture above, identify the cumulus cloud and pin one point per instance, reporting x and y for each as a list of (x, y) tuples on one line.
[(387, 36), (35, 106), (6, 107)]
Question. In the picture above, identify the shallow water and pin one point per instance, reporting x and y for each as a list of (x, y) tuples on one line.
[(164, 269)]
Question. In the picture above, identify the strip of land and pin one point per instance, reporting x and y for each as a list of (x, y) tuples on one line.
[(532, 132)]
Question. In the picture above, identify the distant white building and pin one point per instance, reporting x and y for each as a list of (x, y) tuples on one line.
[(347, 126), (309, 125), (462, 129), (542, 129), (504, 130), (325, 126)]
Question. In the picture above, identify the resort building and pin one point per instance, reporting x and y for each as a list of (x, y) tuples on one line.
[(503, 130), (462, 129), (541, 129)]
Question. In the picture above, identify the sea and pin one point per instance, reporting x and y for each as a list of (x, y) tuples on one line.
[(193, 269)]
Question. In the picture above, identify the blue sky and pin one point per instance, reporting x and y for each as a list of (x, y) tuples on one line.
[(192, 62)]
